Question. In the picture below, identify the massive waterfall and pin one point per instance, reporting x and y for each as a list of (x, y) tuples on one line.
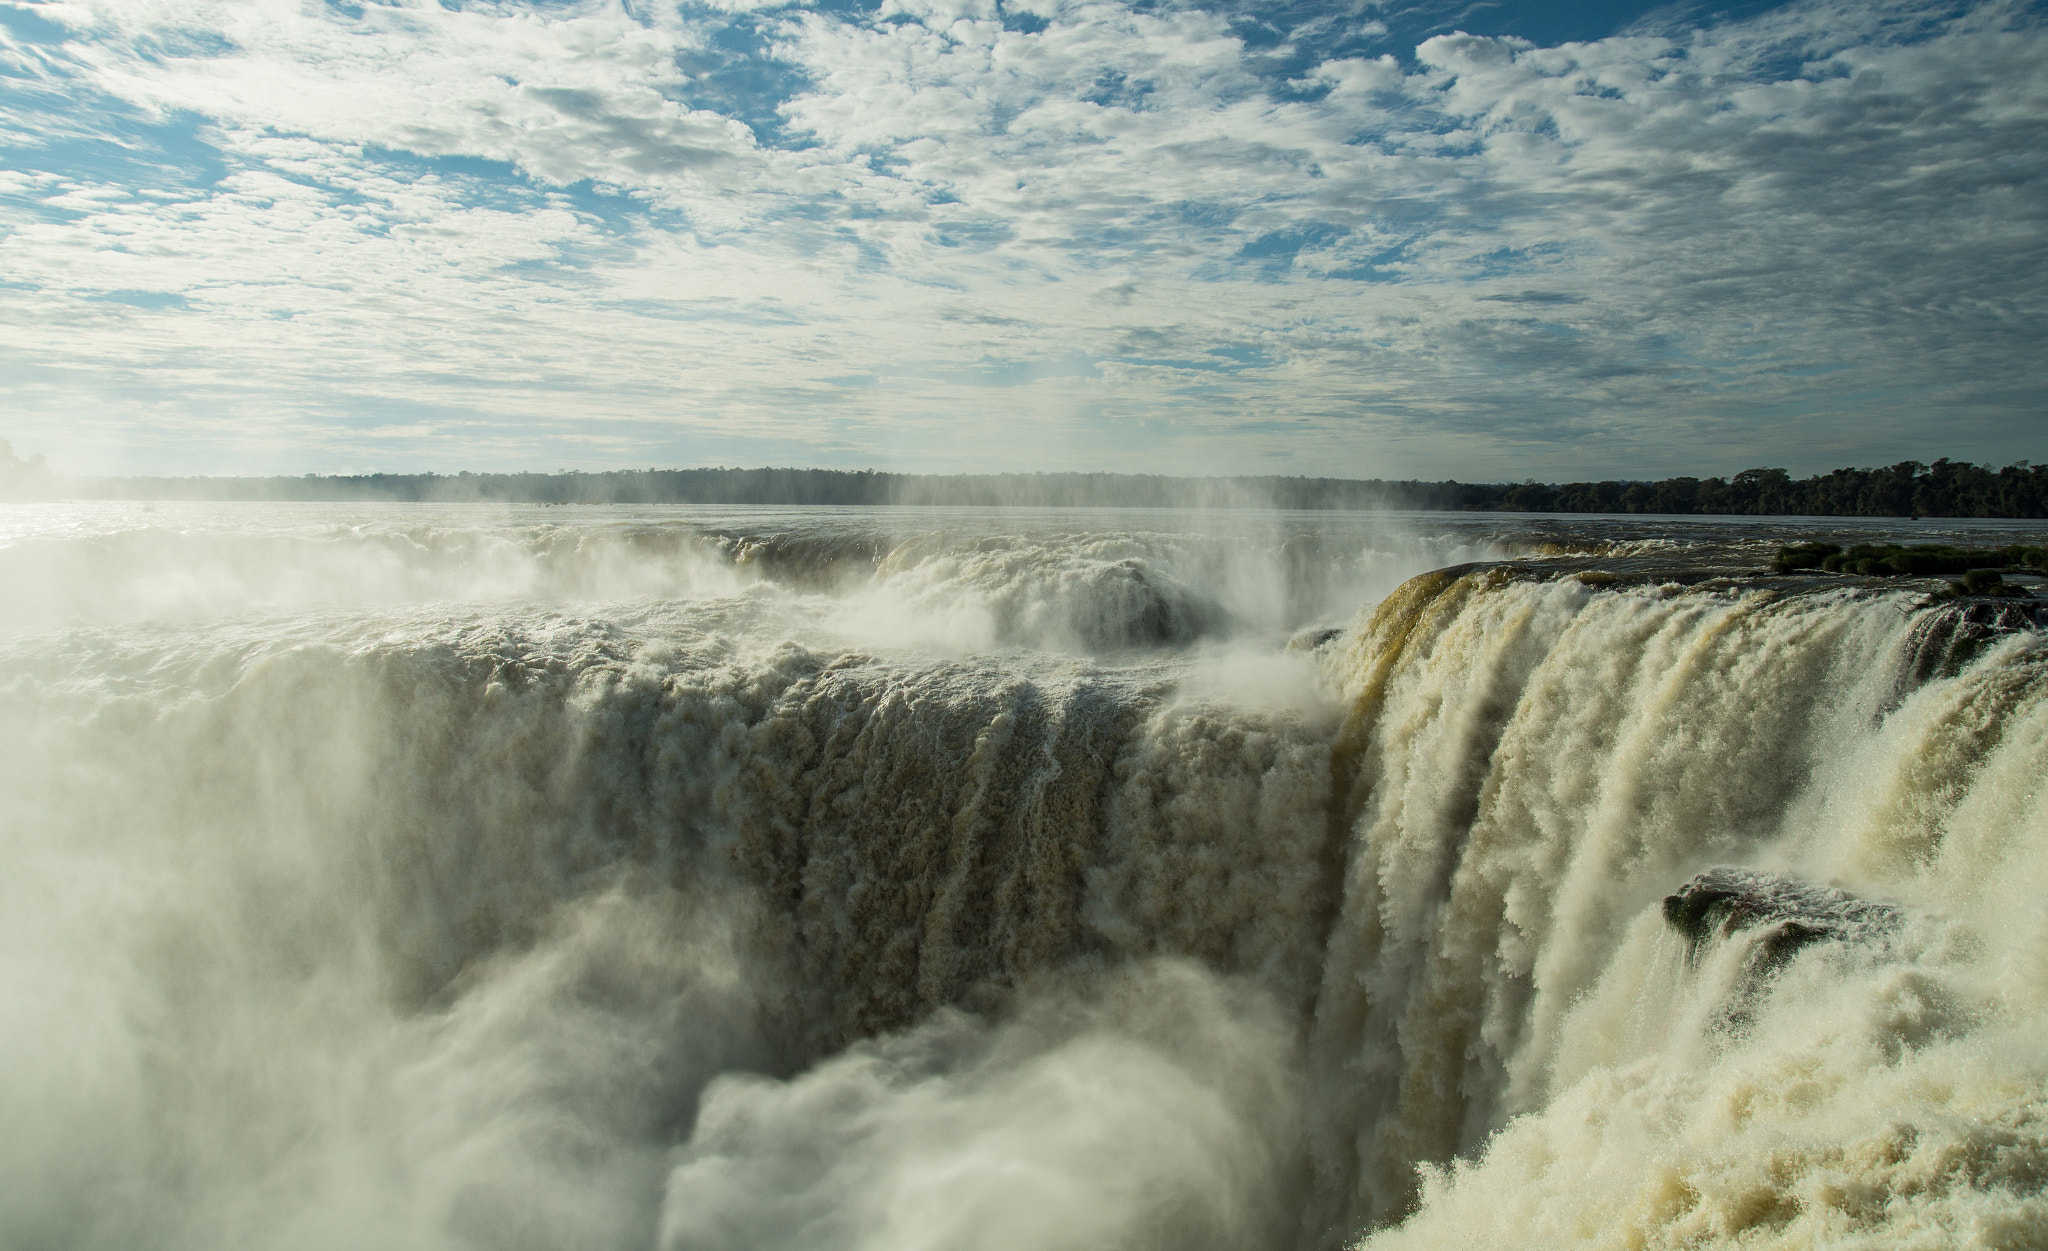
[(446, 878)]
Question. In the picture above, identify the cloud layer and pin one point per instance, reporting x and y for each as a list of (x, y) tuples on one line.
[(274, 235)]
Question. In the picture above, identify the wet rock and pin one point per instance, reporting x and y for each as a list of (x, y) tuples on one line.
[(1771, 917), (1777, 914), (1949, 637), (1315, 638)]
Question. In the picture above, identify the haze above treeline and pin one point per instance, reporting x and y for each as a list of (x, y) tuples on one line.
[(1910, 488)]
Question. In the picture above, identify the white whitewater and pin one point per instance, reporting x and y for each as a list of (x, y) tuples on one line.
[(439, 878), (1502, 996)]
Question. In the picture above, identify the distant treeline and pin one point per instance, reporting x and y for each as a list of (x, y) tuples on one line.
[(1908, 489), (1944, 489)]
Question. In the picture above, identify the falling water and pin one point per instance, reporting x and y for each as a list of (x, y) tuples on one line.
[(450, 878)]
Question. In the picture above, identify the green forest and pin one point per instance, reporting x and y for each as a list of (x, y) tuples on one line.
[(1908, 489)]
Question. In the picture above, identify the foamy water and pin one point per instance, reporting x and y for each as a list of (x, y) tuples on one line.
[(441, 877)]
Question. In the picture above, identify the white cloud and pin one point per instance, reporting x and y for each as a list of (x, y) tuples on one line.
[(1780, 240), (587, 95)]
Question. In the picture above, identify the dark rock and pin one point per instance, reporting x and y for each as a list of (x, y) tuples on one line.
[(1774, 917), (1952, 635), (1779, 915)]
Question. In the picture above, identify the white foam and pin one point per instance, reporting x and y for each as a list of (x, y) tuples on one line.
[(781, 908)]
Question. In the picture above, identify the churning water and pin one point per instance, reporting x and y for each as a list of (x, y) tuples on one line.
[(434, 877)]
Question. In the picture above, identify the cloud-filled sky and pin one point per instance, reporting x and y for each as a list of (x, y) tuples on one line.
[(1492, 241)]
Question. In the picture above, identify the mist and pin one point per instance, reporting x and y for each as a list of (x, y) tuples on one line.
[(542, 878)]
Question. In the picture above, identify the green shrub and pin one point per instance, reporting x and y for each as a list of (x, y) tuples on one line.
[(1803, 556), (1920, 560)]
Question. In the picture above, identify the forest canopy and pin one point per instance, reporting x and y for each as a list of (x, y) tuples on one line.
[(1908, 489)]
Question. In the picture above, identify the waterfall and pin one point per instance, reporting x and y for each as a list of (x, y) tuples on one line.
[(1081, 889)]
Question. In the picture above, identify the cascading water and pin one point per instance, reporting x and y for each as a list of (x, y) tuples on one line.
[(1542, 762), (535, 878)]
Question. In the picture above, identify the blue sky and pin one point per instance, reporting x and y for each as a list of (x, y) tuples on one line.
[(1481, 241)]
